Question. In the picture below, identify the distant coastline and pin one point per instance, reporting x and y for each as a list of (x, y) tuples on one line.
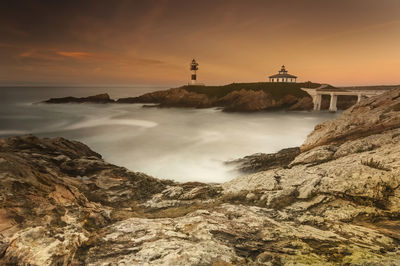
[(235, 97)]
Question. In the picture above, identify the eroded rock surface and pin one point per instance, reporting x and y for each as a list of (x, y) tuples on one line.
[(55, 192), (247, 100), (336, 203)]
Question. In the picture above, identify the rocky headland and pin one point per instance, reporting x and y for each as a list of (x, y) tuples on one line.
[(333, 201), (236, 97), (247, 97)]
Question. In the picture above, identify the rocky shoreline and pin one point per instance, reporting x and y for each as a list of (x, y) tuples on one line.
[(333, 201), (238, 100)]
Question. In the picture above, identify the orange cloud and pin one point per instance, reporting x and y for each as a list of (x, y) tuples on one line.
[(76, 55), (38, 55), (26, 54)]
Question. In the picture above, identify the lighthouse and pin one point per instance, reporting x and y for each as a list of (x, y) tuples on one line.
[(193, 68)]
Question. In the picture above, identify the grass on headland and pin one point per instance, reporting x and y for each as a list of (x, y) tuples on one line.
[(375, 164), (277, 90)]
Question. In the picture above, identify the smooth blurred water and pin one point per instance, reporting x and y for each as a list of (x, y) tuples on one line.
[(182, 144)]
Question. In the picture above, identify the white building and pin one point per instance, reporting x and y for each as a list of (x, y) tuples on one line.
[(283, 76)]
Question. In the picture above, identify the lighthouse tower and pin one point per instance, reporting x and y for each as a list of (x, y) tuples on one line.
[(193, 69)]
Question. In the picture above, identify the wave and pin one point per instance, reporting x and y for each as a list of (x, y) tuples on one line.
[(13, 132), (110, 122)]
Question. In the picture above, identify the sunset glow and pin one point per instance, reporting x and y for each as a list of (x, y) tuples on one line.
[(344, 42)]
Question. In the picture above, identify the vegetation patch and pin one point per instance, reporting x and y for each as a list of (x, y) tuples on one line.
[(375, 164), (276, 90)]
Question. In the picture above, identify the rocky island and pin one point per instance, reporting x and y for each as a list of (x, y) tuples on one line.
[(235, 97), (333, 201), (100, 98)]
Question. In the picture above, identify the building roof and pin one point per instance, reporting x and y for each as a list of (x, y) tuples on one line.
[(282, 76)]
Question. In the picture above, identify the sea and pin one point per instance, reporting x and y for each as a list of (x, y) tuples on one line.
[(182, 144)]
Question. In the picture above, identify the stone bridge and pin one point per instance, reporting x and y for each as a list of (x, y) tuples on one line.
[(360, 92)]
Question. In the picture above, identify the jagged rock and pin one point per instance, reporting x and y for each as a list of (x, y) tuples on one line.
[(315, 156), (247, 100), (45, 245), (340, 193), (100, 98), (365, 144), (261, 161), (48, 209), (303, 104), (237, 234), (287, 101)]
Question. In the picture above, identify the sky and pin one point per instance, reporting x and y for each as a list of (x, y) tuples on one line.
[(152, 42)]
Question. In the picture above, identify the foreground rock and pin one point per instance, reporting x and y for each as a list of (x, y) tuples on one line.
[(55, 194), (336, 203), (100, 98)]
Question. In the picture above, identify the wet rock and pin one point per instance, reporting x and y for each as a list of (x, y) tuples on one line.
[(261, 161)]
